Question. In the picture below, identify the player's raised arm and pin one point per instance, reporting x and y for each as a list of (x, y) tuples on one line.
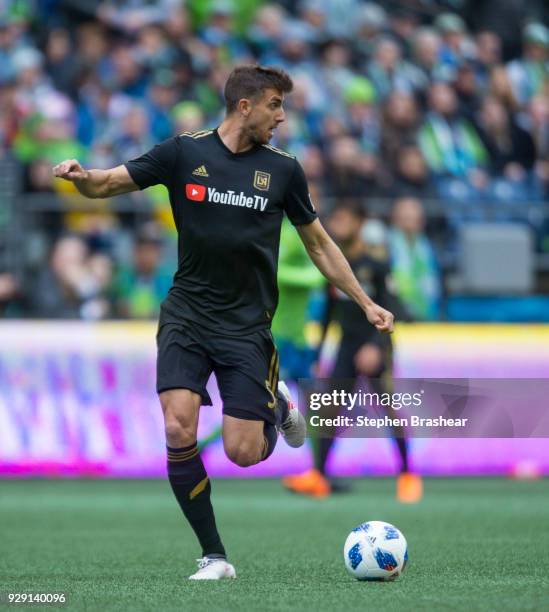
[(96, 183), (325, 253), (152, 168), (331, 262)]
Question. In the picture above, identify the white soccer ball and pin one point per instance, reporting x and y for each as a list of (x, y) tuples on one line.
[(375, 551)]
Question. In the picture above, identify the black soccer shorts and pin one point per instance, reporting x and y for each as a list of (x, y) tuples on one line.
[(246, 367)]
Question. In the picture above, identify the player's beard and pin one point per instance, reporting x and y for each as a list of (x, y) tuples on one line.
[(259, 136)]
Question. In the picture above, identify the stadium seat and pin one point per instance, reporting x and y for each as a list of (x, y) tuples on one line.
[(496, 259)]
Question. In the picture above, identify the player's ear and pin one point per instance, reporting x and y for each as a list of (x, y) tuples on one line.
[(244, 107)]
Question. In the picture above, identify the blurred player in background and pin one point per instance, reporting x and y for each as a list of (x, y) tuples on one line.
[(297, 279), (228, 190), (363, 352)]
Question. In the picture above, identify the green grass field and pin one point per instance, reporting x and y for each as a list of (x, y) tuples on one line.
[(474, 544)]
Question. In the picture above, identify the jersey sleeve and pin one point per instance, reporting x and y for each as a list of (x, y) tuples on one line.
[(297, 201), (154, 167)]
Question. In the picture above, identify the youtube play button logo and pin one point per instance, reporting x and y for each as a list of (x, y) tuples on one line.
[(195, 192)]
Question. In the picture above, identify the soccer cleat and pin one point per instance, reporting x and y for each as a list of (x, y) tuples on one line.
[(409, 488), (311, 483), (213, 569), (294, 427)]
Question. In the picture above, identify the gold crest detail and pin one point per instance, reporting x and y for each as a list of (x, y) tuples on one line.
[(262, 180)]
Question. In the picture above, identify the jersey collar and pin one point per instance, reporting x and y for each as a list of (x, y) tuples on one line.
[(229, 152)]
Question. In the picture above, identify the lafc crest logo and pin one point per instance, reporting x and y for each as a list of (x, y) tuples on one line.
[(262, 180)]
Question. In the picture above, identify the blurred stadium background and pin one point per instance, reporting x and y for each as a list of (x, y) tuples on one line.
[(433, 114)]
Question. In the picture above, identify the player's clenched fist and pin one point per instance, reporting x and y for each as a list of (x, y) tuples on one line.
[(379, 317), (70, 169)]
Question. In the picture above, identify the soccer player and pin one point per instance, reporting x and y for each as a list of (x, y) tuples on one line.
[(297, 279), (362, 352), (229, 189)]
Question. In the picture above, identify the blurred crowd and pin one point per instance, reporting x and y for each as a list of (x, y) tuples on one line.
[(398, 100)]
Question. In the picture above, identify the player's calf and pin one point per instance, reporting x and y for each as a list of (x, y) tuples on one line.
[(192, 489), (186, 472)]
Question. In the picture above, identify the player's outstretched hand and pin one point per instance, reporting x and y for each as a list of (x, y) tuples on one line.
[(70, 170), (380, 318)]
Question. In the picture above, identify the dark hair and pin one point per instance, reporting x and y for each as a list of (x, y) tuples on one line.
[(251, 81)]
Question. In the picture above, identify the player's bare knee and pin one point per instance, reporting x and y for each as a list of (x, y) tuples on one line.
[(177, 434), (243, 454), (244, 458)]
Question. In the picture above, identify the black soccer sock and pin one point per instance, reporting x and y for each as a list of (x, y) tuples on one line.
[(322, 451), (192, 489), (270, 436), (399, 438), (402, 445)]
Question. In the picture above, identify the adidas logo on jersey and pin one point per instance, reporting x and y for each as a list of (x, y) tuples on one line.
[(200, 171)]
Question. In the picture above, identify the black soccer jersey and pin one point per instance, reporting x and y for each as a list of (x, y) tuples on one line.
[(228, 208)]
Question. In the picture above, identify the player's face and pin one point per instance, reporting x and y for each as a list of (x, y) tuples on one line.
[(344, 226), (265, 115)]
